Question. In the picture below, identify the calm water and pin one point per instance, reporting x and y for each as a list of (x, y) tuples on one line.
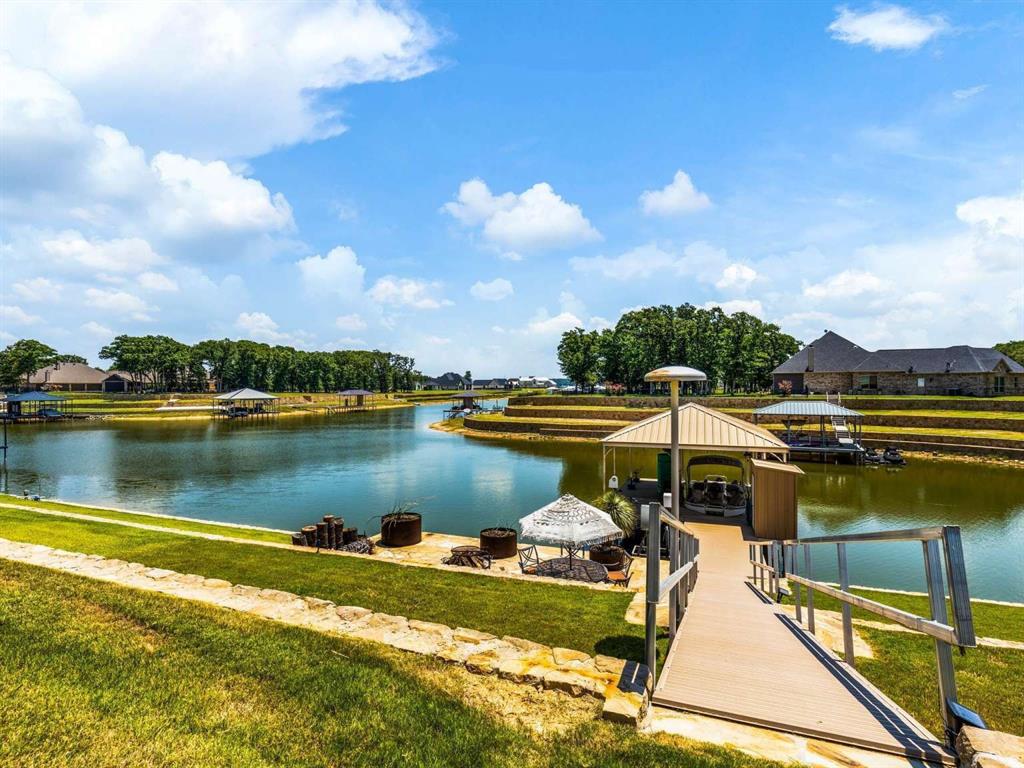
[(287, 473)]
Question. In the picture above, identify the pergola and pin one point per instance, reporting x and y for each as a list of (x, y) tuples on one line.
[(468, 398), (244, 403), (37, 405)]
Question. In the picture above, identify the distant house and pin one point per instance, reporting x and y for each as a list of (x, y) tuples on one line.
[(448, 380), (78, 377), (537, 382), (494, 383), (834, 364)]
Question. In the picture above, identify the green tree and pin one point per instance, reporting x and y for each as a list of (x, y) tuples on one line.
[(23, 358), (579, 356), (1014, 349)]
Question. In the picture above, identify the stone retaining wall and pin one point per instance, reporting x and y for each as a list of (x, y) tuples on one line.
[(624, 686)]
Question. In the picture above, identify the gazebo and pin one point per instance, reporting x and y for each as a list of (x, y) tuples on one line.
[(764, 492), (37, 405), (245, 403)]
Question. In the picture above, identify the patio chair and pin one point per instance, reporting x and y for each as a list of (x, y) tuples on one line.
[(529, 560), (622, 577)]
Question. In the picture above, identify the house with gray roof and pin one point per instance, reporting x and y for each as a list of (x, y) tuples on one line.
[(835, 364)]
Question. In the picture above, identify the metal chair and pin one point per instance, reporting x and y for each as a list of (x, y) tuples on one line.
[(529, 560), (622, 577)]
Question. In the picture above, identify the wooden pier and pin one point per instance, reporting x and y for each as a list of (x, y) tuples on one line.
[(738, 656)]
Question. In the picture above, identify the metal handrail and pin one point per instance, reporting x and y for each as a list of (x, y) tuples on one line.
[(677, 585), (771, 557)]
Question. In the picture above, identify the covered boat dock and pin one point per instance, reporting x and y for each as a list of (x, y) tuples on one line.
[(245, 403), (36, 406), (816, 427)]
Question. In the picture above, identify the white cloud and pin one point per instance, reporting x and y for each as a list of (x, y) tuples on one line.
[(338, 272), (510, 256), (16, 315), (351, 322), (889, 27), (495, 290), (37, 289), (217, 79), (962, 94), (96, 329), (407, 292), (678, 197), (569, 302), (154, 281), (202, 197), (848, 283), (537, 219), (999, 215), (118, 302), (259, 326), (436, 340), (121, 255), (750, 306), (699, 259), (736, 276), (547, 325), (600, 323)]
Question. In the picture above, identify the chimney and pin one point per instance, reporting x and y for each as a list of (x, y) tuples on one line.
[(810, 357)]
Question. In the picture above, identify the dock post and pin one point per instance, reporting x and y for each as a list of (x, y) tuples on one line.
[(943, 652), (796, 586), (810, 592), (653, 587), (844, 585)]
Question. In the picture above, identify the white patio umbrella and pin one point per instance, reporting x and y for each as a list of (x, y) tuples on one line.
[(570, 522)]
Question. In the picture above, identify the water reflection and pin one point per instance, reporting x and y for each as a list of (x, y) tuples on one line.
[(288, 472)]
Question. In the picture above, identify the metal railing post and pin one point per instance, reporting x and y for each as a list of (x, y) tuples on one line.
[(844, 585), (673, 595), (810, 592), (760, 559), (796, 586), (753, 568), (653, 587), (943, 652)]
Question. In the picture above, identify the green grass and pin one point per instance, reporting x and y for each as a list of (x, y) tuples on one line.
[(990, 619), (543, 420), (559, 615), (95, 675), (163, 522)]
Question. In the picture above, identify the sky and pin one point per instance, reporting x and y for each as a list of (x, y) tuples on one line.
[(463, 182)]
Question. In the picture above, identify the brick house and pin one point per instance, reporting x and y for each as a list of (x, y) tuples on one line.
[(834, 364), (77, 377)]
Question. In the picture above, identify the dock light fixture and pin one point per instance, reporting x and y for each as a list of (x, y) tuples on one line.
[(674, 374)]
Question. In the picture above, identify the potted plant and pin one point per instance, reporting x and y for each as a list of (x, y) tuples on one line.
[(499, 541), (401, 527), (623, 514)]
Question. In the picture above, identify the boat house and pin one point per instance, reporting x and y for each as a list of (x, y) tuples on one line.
[(36, 406), (834, 364), (245, 403), (731, 468), (816, 427)]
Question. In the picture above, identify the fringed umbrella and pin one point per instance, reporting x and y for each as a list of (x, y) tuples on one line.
[(567, 521)]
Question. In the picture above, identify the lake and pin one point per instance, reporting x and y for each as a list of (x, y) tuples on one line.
[(288, 472)]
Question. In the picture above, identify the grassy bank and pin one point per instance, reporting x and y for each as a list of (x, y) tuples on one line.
[(146, 680), (535, 611)]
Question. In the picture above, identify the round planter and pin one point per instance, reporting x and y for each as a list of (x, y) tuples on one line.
[(608, 555), (499, 542), (401, 530)]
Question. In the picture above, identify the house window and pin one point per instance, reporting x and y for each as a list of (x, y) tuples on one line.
[(920, 382), (867, 381), (999, 385)]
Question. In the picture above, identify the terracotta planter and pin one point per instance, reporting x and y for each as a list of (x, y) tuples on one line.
[(608, 555), (401, 530), (499, 542)]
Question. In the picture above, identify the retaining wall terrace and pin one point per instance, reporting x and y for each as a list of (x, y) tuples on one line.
[(858, 403)]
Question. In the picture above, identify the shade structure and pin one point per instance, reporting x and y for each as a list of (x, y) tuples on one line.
[(246, 394), (351, 392), (571, 522), (807, 408)]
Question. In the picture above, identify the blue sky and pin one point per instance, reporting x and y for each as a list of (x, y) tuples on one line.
[(463, 182)]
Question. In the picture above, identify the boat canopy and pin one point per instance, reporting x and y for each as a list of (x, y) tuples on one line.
[(700, 429), (807, 408), (246, 394)]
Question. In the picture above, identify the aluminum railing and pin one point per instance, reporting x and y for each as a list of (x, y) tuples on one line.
[(773, 560), (684, 548)]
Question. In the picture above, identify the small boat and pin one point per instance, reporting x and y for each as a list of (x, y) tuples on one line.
[(715, 495), (892, 456)]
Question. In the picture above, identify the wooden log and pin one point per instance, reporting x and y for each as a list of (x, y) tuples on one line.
[(298, 539), (331, 531), (348, 535), (321, 535), (309, 531)]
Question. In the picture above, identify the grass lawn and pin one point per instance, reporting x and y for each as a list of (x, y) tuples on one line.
[(94, 675), (164, 522), (567, 616), (544, 420)]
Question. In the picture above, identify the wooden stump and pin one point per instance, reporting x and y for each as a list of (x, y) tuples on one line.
[(321, 535), (309, 531), (348, 535), (331, 531), (298, 539)]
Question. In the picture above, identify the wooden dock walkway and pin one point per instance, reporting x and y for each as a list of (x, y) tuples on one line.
[(737, 656)]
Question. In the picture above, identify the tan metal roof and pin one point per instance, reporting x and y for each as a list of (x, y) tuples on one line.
[(700, 428), (777, 466), (68, 373)]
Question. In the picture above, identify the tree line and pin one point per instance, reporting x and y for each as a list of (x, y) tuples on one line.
[(737, 352), (161, 364)]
